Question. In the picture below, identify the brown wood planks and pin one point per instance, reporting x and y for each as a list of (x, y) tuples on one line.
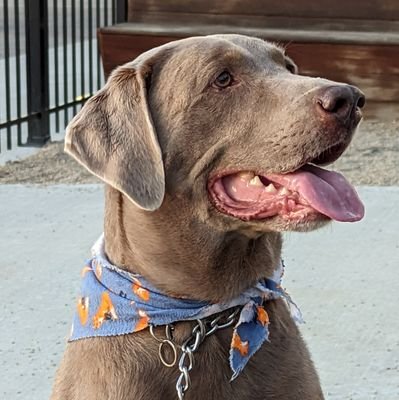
[(375, 69), (119, 49), (352, 9)]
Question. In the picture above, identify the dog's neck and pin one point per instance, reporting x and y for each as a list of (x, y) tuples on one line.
[(182, 256)]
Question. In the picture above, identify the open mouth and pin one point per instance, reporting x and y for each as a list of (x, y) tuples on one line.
[(302, 195)]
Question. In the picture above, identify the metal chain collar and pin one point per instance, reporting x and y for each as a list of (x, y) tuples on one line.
[(201, 330)]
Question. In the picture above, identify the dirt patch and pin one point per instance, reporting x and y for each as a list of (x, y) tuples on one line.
[(372, 159), (48, 166), (373, 156)]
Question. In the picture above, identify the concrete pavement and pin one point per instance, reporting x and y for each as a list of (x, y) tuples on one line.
[(344, 277)]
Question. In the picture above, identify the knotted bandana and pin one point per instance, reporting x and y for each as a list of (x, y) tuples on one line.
[(115, 302)]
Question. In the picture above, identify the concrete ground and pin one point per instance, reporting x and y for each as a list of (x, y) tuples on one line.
[(344, 277)]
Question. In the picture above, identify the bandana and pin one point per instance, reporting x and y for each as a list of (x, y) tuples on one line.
[(115, 302)]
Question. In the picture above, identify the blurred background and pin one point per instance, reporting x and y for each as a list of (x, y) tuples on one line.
[(54, 54), (50, 60)]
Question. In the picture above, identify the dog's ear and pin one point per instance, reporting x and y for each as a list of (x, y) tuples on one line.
[(114, 138)]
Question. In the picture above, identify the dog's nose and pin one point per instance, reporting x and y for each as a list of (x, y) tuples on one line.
[(340, 101)]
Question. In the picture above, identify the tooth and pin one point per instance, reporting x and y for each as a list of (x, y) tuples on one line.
[(270, 188), (256, 181), (284, 191), (234, 189), (246, 175)]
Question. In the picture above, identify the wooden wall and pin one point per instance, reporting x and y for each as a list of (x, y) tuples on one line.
[(349, 9), (350, 41)]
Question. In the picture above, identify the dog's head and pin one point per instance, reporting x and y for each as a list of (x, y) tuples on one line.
[(222, 127)]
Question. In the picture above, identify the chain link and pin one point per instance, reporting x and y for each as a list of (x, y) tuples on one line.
[(201, 330)]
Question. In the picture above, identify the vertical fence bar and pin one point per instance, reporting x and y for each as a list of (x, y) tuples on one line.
[(7, 70), (98, 45), (73, 37), (56, 67), (82, 49), (90, 29), (18, 70), (65, 58), (105, 23), (121, 11), (37, 70), (113, 11), (105, 12)]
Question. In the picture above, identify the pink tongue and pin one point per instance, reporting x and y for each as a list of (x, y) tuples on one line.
[(327, 192)]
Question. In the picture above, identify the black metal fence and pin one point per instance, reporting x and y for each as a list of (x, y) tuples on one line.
[(49, 64)]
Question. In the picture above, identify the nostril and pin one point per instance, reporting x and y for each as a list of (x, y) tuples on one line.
[(337, 101), (340, 103), (333, 104), (361, 101)]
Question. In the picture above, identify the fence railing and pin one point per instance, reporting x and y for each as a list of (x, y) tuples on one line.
[(49, 64)]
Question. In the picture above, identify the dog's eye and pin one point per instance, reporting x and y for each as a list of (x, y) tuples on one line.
[(223, 80)]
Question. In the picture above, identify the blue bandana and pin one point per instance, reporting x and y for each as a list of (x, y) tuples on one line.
[(115, 302)]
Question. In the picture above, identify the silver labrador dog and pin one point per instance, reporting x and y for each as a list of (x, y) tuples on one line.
[(209, 147)]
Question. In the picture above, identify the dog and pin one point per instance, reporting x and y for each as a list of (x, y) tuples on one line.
[(209, 147)]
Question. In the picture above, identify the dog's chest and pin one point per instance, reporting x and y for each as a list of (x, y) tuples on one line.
[(281, 369), (128, 367)]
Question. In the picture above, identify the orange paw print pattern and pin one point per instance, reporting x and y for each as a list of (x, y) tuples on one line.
[(262, 315), (83, 309), (239, 345), (143, 321), (139, 291), (105, 311)]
